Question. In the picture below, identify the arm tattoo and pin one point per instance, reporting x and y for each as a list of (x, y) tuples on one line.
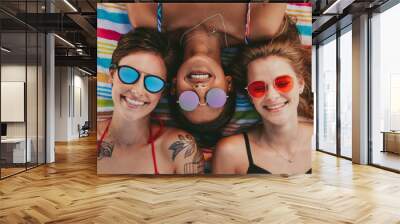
[(105, 150), (188, 144), (196, 165), (185, 143)]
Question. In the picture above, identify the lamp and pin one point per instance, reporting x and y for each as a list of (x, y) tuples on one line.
[(70, 5), (64, 40), (5, 50)]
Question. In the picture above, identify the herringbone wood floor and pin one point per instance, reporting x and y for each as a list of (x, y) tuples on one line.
[(69, 191)]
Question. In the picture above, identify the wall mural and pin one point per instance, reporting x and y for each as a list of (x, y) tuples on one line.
[(220, 88)]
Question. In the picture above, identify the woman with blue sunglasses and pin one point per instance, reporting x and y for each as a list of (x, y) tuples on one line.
[(129, 143)]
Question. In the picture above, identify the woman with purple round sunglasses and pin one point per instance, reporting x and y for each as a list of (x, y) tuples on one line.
[(204, 30)]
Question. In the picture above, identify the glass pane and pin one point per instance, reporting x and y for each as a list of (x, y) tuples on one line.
[(41, 99), (22, 79), (327, 97), (31, 97), (313, 81), (385, 85), (31, 83), (13, 87), (346, 94)]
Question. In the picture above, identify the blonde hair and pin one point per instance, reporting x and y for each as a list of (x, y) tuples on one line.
[(299, 58)]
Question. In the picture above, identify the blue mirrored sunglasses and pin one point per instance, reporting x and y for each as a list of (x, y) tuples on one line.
[(130, 75)]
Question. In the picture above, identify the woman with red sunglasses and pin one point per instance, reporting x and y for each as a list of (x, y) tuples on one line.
[(277, 74), (129, 143)]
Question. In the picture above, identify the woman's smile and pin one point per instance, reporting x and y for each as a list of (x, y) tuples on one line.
[(133, 102), (276, 107), (196, 77)]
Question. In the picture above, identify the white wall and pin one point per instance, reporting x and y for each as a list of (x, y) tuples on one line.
[(71, 94), (61, 103), (80, 110)]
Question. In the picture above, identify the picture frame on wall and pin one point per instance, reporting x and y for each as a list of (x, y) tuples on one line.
[(198, 89)]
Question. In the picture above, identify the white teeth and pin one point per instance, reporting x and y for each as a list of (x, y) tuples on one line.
[(199, 76), (134, 102), (276, 106)]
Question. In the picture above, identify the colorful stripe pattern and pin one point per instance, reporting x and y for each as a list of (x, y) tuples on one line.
[(113, 21), (302, 14)]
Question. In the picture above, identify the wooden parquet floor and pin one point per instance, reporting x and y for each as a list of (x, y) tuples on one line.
[(10, 171), (69, 191)]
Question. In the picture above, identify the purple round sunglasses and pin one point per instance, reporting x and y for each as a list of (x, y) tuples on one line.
[(189, 100)]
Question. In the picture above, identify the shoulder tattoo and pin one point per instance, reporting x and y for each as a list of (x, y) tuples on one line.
[(105, 150), (185, 143), (196, 166)]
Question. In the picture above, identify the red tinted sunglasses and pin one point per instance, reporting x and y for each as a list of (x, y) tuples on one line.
[(282, 84)]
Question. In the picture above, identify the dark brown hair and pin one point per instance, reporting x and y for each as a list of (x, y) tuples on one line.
[(299, 58), (145, 39)]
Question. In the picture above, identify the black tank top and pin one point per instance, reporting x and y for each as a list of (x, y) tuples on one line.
[(252, 167)]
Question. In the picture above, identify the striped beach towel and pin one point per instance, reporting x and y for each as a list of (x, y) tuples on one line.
[(113, 21)]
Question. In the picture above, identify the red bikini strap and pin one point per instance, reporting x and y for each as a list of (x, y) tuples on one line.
[(152, 139), (103, 135), (159, 132), (153, 151), (154, 158)]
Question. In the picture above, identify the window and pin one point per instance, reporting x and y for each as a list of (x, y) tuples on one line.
[(327, 96), (385, 89), (346, 75), (22, 74)]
